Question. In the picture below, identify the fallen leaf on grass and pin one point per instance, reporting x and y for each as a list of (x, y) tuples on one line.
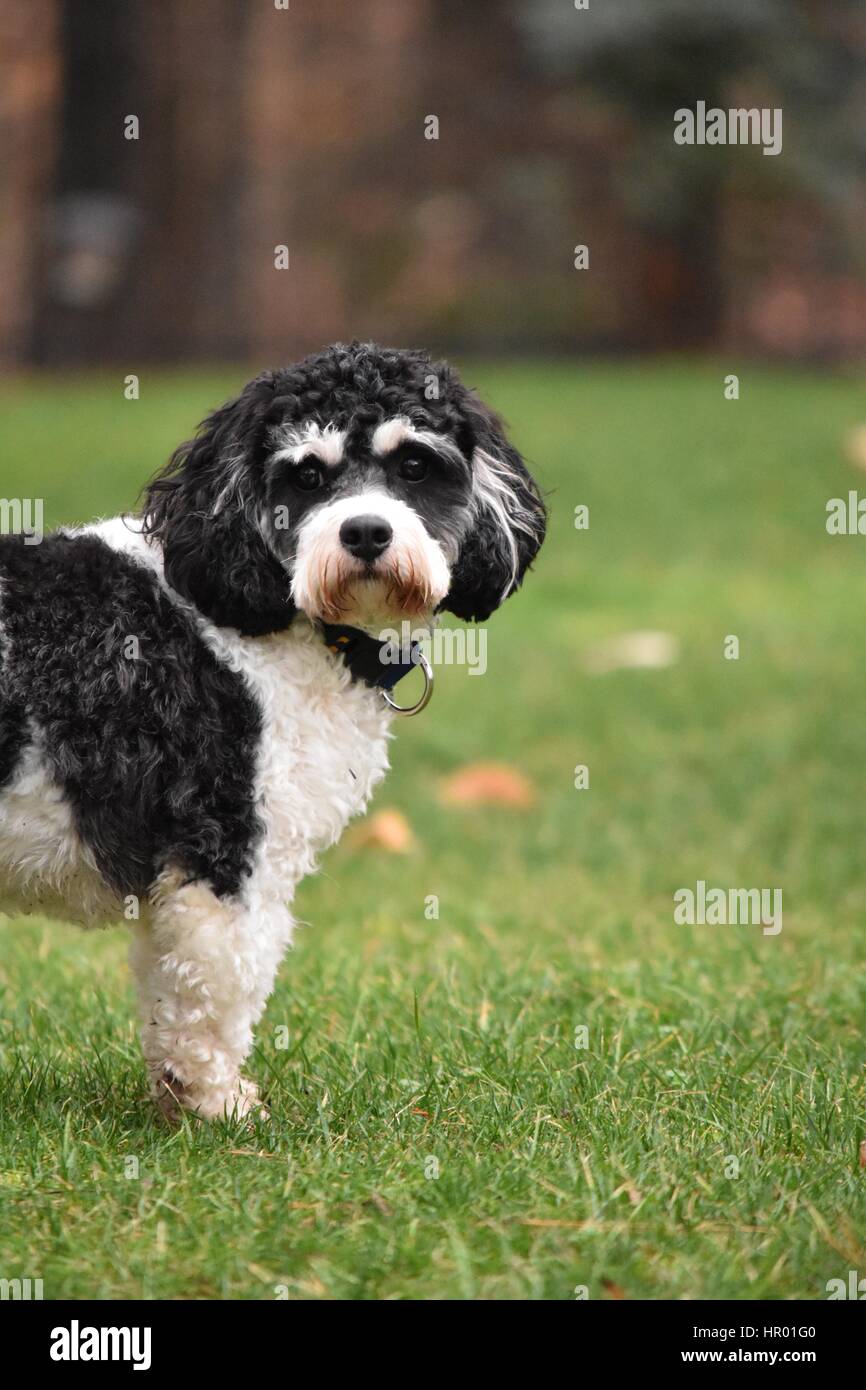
[(855, 446), (613, 1290), (386, 830), (487, 784), (632, 650)]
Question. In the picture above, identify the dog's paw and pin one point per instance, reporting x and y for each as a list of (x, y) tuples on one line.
[(172, 1096)]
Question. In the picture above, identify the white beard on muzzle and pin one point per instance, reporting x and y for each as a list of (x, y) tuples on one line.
[(409, 579)]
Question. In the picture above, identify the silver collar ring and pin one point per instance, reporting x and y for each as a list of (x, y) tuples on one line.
[(407, 710)]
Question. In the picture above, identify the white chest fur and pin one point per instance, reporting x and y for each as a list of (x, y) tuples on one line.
[(322, 752)]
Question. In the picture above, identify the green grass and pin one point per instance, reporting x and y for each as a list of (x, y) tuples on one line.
[(453, 1040)]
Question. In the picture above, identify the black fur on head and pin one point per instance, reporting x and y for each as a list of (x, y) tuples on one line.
[(214, 505), (202, 508), (508, 516)]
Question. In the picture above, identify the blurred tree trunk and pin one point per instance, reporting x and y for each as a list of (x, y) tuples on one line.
[(29, 99), (186, 296), (145, 237), (679, 285)]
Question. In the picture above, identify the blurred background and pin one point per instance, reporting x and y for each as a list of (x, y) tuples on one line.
[(305, 126)]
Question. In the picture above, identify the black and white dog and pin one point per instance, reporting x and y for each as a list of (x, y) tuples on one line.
[(188, 712)]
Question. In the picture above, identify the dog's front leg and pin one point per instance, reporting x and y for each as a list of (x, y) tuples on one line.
[(204, 967)]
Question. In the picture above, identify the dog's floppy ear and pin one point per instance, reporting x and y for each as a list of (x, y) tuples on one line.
[(508, 523), (205, 507)]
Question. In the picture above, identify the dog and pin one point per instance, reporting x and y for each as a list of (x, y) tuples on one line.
[(193, 702)]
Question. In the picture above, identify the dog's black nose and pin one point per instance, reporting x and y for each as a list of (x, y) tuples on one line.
[(366, 537)]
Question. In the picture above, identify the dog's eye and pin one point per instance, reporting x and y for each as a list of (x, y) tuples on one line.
[(308, 477), (413, 470)]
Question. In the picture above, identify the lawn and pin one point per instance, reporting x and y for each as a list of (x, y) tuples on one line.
[(435, 1131)]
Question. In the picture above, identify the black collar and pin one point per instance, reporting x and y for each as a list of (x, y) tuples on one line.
[(376, 663)]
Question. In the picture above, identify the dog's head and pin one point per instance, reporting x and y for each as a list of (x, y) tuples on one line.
[(361, 486)]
